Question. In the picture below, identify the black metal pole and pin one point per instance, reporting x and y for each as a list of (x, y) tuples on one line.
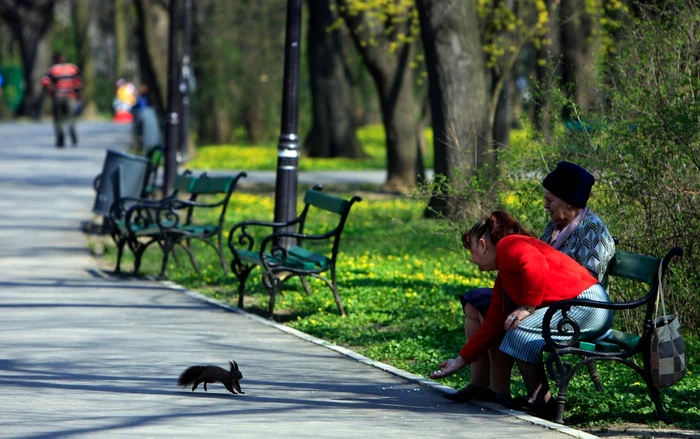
[(185, 79), (288, 146), (172, 120)]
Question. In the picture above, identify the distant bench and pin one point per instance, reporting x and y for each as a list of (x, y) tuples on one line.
[(283, 254)]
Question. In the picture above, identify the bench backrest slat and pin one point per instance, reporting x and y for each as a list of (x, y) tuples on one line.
[(183, 183), (634, 266), (211, 185), (326, 202)]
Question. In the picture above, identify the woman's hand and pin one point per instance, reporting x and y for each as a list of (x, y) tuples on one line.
[(448, 367), (514, 318)]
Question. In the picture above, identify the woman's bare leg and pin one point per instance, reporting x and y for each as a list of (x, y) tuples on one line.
[(536, 382), (501, 366), (480, 368)]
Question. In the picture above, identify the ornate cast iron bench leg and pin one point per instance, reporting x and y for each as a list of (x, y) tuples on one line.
[(595, 377)]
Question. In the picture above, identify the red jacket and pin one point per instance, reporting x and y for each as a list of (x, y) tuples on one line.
[(532, 273)]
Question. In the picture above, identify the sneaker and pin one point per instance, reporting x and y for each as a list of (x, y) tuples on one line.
[(470, 392)]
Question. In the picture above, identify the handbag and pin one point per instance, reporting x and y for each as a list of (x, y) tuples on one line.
[(667, 356)]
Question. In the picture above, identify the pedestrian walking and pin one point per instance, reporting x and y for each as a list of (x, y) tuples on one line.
[(63, 83)]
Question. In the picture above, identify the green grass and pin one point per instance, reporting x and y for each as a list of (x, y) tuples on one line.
[(264, 157), (400, 283)]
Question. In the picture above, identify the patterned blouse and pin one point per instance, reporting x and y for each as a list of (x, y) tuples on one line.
[(591, 245)]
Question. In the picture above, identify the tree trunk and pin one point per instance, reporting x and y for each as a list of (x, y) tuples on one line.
[(577, 48), (459, 101), (502, 112), (82, 18), (393, 78), (121, 8), (29, 21), (333, 129), (215, 117), (152, 33), (38, 100), (399, 109), (547, 68)]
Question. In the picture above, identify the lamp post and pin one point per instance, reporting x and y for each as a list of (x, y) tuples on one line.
[(185, 79), (288, 145), (172, 118)]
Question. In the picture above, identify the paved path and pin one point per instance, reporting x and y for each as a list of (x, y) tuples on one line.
[(82, 355)]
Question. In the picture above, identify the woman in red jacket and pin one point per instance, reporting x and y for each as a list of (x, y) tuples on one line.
[(531, 276)]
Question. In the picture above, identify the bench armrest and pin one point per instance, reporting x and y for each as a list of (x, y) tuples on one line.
[(569, 327), (239, 232), (178, 204), (120, 208), (280, 253), (139, 215)]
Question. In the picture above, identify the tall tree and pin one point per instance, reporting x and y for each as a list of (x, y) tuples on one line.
[(459, 94), (83, 17), (237, 47), (507, 27), (152, 31), (333, 129), (121, 12), (547, 68), (578, 34), (29, 20), (384, 41), (215, 120)]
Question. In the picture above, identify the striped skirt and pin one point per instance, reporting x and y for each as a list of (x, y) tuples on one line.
[(525, 343)]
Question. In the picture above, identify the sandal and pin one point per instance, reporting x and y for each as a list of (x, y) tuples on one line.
[(470, 392)]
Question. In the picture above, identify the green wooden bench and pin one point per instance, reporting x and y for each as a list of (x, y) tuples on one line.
[(616, 346), (288, 251), (170, 222)]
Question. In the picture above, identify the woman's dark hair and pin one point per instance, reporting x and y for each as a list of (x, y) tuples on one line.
[(495, 227)]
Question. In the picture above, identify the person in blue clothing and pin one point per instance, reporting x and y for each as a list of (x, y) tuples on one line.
[(574, 230), (146, 124)]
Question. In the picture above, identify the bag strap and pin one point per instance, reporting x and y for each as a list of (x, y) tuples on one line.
[(660, 292)]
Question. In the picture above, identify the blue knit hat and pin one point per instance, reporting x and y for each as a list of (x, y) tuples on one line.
[(571, 183)]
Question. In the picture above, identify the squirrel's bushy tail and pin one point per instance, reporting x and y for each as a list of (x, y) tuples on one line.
[(190, 375)]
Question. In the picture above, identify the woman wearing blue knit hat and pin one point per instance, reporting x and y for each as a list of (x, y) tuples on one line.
[(574, 230)]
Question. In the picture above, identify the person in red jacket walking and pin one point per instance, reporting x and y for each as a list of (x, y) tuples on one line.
[(531, 276), (63, 83)]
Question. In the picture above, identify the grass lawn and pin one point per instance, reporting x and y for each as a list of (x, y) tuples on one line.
[(264, 157), (400, 281)]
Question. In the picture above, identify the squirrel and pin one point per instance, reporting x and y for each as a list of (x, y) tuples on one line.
[(211, 374)]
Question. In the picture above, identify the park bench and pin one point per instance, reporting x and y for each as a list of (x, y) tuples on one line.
[(640, 272), (170, 221), (288, 251)]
